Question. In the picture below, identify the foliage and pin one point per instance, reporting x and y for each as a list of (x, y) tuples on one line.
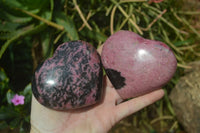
[(31, 30), (14, 116)]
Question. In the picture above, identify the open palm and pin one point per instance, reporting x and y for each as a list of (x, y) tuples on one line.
[(98, 118)]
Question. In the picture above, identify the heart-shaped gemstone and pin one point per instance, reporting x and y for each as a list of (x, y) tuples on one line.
[(71, 79), (136, 66)]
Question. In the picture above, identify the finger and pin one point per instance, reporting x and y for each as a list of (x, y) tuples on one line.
[(129, 107)]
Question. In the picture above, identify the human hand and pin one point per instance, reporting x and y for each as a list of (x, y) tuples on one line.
[(98, 118)]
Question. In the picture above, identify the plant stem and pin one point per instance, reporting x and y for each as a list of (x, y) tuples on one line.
[(87, 18), (81, 15), (169, 106), (112, 19), (123, 23), (183, 66), (127, 16), (189, 12), (59, 27), (154, 21), (21, 34), (162, 118), (133, 1), (183, 20), (169, 42), (58, 37), (191, 28), (164, 20), (175, 125)]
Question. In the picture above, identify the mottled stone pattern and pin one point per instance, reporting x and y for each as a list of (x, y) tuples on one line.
[(71, 79), (136, 65)]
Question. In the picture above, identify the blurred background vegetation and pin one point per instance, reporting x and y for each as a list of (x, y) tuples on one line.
[(30, 30)]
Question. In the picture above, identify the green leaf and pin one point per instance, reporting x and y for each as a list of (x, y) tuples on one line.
[(46, 15), (68, 24), (3, 76), (32, 6), (27, 31), (8, 26), (180, 43), (4, 85), (8, 42), (3, 125), (21, 129), (14, 18), (94, 35), (6, 35), (36, 4), (9, 29), (15, 123), (27, 118), (27, 90), (46, 45), (12, 3), (9, 96), (7, 113)]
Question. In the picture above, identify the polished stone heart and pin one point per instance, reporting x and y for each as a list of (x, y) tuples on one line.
[(136, 66), (71, 79)]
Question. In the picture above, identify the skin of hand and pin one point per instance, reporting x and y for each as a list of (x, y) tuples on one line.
[(98, 118)]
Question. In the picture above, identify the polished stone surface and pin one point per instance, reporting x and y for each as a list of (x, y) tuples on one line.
[(135, 65), (71, 79)]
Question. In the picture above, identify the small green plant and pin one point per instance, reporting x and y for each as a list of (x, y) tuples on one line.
[(15, 109)]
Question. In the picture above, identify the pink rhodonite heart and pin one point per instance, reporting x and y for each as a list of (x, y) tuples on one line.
[(136, 66), (71, 79)]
